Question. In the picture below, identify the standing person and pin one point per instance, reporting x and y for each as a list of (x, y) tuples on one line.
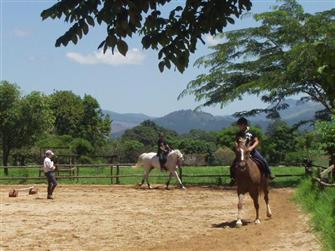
[(252, 142), (49, 171), (162, 151)]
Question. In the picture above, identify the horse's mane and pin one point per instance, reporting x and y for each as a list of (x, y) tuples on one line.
[(177, 152)]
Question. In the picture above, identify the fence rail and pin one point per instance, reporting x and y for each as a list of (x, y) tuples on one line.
[(73, 171)]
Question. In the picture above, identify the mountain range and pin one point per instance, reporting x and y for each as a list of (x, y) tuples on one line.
[(183, 121)]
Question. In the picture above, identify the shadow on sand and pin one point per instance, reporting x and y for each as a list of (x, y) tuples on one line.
[(231, 224)]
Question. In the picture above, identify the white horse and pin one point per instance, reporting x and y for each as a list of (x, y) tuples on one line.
[(150, 161)]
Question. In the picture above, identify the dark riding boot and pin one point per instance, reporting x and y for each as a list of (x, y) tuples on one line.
[(232, 182), (163, 167)]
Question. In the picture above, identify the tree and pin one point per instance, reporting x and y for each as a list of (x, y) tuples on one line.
[(80, 118), (190, 146), (147, 133), (36, 117), (326, 132), (289, 53), (9, 114), (130, 150), (68, 111), (175, 35), (197, 134), (281, 139), (94, 126), (23, 119)]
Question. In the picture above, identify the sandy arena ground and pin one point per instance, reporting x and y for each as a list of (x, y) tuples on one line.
[(125, 218)]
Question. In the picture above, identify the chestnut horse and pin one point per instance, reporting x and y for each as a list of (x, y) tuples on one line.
[(250, 179)]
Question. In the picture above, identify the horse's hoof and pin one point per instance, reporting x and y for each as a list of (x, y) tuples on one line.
[(183, 188), (166, 188), (257, 221), (239, 223), (269, 215)]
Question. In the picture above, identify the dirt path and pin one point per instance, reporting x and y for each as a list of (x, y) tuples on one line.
[(125, 218)]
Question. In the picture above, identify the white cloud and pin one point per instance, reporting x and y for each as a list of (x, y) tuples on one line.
[(134, 56), (211, 41), (21, 33)]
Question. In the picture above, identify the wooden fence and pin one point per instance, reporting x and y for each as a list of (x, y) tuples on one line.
[(72, 172), (325, 176)]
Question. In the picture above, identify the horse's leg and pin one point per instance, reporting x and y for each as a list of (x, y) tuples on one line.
[(175, 174), (254, 196), (266, 198), (144, 177), (239, 207), (168, 182), (147, 177)]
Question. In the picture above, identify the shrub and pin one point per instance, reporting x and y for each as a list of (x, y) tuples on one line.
[(223, 157)]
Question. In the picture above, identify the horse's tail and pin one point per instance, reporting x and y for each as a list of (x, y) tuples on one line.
[(139, 161)]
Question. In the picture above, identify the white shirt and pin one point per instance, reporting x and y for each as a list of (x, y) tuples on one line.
[(48, 165)]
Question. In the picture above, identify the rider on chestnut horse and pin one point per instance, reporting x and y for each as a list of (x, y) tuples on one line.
[(252, 142)]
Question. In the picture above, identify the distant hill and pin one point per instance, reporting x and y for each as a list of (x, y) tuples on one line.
[(124, 121), (183, 121)]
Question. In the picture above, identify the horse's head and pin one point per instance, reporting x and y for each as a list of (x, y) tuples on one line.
[(178, 155), (242, 154)]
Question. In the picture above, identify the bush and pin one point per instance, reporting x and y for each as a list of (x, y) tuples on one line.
[(223, 157), (81, 146), (85, 160)]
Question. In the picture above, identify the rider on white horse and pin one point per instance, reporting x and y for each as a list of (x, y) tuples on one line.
[(162, 151)]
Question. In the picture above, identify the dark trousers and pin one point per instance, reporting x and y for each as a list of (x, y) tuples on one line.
[(259, 158), (52, 183), (162, 158)]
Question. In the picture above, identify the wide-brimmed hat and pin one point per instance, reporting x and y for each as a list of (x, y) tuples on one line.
[(49, 152)]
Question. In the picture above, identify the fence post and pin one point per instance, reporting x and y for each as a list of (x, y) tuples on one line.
[(117, 174), (180, 173), (111, 166), (77, 173)]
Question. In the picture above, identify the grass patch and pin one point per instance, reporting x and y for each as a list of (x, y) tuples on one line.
[(321, 204)]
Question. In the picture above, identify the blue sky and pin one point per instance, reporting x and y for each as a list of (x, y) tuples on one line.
[(131, 84)]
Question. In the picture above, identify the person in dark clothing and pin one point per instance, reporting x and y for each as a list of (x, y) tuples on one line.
[(162, 151), (251, 141)]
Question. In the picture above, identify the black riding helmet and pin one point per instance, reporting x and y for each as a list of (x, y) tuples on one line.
[(242, 121)]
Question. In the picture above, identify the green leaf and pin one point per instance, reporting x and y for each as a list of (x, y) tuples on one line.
[(85, 28), (74, 39), (122, 47), (90, 20), (161, 66)]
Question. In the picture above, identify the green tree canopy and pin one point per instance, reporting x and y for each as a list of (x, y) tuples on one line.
[(175, 35), (95, 127), (326, 132), (281, 139), (147, 133), (68, 110), (23, 119), (289, 53), (80, 118)]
